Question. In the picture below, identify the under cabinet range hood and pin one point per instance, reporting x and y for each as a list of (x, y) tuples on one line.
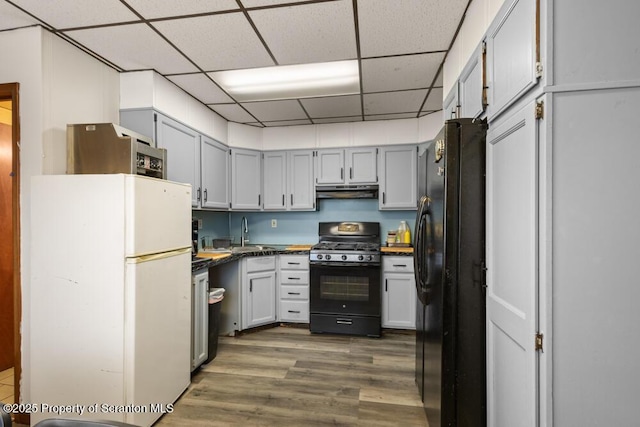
[(347, 192)]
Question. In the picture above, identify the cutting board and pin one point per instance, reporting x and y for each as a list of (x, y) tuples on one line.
[(397, 249), (213, 256), (299, 247)]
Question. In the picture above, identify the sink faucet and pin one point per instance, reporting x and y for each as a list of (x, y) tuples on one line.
[(244, 231)]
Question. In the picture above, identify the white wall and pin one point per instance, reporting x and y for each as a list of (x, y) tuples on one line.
[(59, 84)]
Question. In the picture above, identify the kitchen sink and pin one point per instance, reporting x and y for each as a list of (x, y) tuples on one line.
[(257, 248)]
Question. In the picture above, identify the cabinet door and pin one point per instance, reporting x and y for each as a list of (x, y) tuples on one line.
[(450, 104), (275, 180), (260, 298), (330, 167), (471, 86), (199, 319), (512, 269), (246, 179), (215, 174), (399, 301), (183, 154), (398, 177), (302, 191), (362, 166), (512, 54)]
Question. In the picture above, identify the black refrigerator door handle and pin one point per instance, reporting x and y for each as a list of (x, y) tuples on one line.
[(421, 258)]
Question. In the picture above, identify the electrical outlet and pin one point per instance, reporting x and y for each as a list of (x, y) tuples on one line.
[(274, 223), (199, 224)]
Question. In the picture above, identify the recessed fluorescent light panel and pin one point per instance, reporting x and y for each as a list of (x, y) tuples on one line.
[(290, 81)]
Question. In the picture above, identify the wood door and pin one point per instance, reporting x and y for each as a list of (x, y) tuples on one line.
[(6, 240), (512, 274)]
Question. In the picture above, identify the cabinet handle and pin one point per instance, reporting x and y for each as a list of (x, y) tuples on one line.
[(400, 265), (386, 285), (198, 194), (294, 311), (341, 173), (384, 198), (291, 199), (205, 194), (350, 173), (293, 293), (250, 285), (259, 199), (283, 200)]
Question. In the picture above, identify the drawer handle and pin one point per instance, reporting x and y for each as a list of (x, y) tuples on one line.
[(293, 263), (399, 265), (344, 322), (293, 293), (293, 278), (294, 311)]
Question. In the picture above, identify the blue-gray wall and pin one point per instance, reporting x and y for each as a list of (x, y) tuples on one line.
[(300, 227)]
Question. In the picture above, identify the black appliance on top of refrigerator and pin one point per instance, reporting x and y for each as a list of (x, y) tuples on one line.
[(449, 268)]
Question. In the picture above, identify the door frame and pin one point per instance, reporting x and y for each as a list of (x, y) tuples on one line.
[(11, 91)]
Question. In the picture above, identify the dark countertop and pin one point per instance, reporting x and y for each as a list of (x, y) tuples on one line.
[(208, 260)]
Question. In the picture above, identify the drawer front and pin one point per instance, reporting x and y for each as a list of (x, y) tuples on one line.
[(294, 311), (288, 277), (294, 292), (294, 262), (397, 264), (262, 263)]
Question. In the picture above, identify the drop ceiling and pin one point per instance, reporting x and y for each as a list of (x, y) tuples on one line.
[(400, 46)]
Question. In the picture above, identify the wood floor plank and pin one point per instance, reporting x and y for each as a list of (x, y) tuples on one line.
[(290, 377)]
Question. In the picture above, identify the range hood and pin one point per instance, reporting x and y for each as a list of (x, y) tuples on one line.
[(347, 192)]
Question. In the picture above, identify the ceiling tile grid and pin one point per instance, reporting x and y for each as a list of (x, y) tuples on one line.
[(399, 46)]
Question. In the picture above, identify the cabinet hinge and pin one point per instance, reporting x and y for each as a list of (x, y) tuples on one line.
[(539, 342), (484, 47), (539, 69), (540, 110)]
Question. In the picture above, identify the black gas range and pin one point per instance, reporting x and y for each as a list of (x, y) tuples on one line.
[(345, 279)]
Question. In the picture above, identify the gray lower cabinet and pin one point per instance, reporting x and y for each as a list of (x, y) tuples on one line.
[(294, 288), (398, 177), (246, 179), (199, 318), (258, 291), (398, 293)]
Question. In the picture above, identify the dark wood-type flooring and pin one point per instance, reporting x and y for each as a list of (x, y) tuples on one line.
[(286, 376)]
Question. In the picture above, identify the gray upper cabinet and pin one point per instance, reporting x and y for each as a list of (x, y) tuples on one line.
[(398, 177), (347, 166), (302, 194), (450, 104), (288, 180), (512, 56), (471, 86), (214, 173), (275, 180), (246, 177)]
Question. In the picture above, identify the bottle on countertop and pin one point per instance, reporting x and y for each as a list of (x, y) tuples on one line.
[(404, 234)]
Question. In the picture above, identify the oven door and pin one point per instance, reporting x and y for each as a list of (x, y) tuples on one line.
[(345, 289)]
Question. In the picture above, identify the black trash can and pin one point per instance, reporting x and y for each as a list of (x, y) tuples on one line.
[(215, 304)]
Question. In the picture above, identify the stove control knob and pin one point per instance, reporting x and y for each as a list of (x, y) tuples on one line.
[(344, 257), (370, 257), (319, 256), (328, 257), (360, 257)]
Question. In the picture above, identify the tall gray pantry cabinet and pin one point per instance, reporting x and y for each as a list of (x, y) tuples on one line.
[(561, 92)]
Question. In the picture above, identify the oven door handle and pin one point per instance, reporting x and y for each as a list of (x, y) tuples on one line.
[(344, 264), (344, 321)]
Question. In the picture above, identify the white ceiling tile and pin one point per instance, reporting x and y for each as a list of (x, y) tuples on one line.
[(316, 32), (275, 110), (11, 17), (217, 42), (78, 13), (434, 102), (288, 123), (400, 72), (392, 27), (133, 47), (394, 102), (201, 88), (334, 106), (151, 9), (233, 113)]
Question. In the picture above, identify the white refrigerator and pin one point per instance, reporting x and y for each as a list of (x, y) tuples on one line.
[(110, 296)]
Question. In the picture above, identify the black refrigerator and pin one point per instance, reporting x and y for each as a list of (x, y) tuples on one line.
[(450, 276)]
